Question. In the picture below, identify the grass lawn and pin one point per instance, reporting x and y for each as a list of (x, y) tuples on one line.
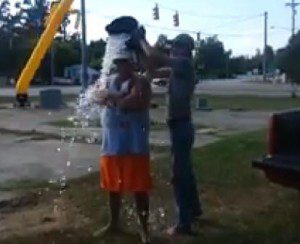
[(215, 102), (245, 102), (251, 102), (240, 205), (62, 123), (240, 198)]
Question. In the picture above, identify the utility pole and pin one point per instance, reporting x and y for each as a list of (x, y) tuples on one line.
[(156, 12), (198, 40), (84, 73), (293, 6), (265, 47)]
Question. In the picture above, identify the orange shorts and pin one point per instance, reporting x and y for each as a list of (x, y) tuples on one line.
[(126, 173)]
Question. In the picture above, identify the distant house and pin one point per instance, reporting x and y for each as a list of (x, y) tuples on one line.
[(74, 73)]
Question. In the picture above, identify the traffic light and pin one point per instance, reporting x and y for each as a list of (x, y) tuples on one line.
[(156, 12), (198, 36), (176, 19)]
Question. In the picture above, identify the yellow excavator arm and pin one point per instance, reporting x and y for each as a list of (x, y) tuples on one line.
[(55, 20)]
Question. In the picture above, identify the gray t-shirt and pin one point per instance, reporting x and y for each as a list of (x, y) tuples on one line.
[(181, 88)]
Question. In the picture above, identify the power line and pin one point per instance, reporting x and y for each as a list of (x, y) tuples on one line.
[(203, 33), (237, 22), (240, 19), (189, 31), (193, 14)]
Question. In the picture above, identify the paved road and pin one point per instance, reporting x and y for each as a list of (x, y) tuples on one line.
[(23, 158), (213, 87), (239, 87)]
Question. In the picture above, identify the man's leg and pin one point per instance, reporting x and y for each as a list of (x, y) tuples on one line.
[(195, 204), (115, 204), (195, 201), (113, 225), (185, 188), (142, 206)]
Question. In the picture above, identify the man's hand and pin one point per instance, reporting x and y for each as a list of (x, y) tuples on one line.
[(100, 96), (103, 94)]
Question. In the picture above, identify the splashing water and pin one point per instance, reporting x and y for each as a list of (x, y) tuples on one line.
[(52, 181), (162, 212), (87, 108), (62, 183)]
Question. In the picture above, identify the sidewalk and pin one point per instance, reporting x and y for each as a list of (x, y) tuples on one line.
[(37, 121), (30, 148)]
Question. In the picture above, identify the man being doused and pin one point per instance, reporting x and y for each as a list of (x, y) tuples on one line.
[(125, 161)]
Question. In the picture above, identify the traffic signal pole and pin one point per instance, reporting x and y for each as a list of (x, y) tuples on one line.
[(265, 47), (84, 70)]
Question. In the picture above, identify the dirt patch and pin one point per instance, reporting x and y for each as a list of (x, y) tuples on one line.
[(33, 214), (13, 204), (29, 133)]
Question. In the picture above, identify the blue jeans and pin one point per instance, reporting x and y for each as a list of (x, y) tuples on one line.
[(184, 182)]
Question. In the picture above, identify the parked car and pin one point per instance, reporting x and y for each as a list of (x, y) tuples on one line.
[(282, 163)]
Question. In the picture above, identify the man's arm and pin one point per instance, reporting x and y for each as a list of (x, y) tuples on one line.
[(138, 98), (155, 58)]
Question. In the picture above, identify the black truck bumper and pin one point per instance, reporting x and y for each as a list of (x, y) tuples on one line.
[(284, 170)]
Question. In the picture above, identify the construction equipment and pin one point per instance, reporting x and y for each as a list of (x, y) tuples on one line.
[(55, 20)]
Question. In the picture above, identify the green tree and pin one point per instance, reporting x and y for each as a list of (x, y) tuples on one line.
[(288, 58), (96, 51), (67, 53), (239, 65), (211, 59), (35, 14)]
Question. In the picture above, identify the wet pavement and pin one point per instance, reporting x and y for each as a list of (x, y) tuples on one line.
[(45, 159), (28, 156)]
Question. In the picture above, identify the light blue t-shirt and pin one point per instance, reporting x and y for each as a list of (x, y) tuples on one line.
[(124, 131)]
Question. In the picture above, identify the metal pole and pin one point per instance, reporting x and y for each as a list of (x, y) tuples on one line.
[(84, 74), (293, 17), (265, 47), (293, 6), (52, 64)]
